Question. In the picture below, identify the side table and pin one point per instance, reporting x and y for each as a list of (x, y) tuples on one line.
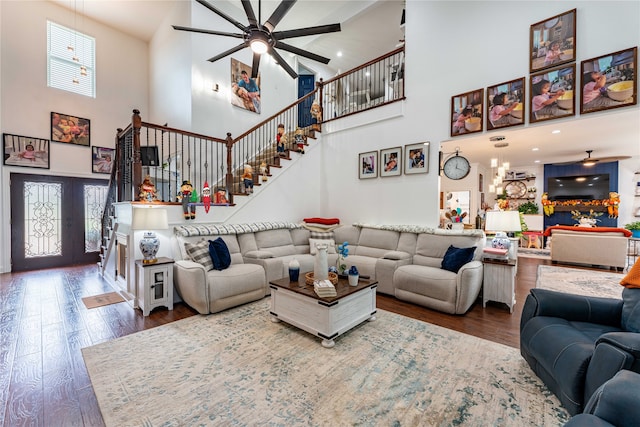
[(154, 284), (633, 251), (499, 281)]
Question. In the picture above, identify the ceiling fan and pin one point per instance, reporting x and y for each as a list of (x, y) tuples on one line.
[(590, 161), (261, 38)]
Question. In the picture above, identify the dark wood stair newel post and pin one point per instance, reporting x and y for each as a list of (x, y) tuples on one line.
[(229, 178), (136, 122)]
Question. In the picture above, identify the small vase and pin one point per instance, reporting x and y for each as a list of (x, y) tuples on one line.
[(321, 265), (341, 265), (353, 279)]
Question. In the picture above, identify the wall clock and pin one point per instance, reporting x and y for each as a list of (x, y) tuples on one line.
[(516, 189), (456, 167)]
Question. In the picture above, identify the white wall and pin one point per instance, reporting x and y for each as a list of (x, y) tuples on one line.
[(27, 102)]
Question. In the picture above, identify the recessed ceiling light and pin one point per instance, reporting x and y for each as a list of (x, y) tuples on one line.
[(339, 53), (555, 131), (535, 149), (536, 161)]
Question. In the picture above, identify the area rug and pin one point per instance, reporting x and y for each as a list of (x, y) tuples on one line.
[(581, 282), (102, 300), (534, 253), (240, 368)]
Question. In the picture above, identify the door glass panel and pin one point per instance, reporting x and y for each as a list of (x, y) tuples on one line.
[(95, 197), (43, 225)]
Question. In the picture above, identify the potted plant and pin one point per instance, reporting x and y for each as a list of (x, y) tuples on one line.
[(634, 227), (528, 208)]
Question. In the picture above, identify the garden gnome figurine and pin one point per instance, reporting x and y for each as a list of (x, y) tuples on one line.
[(206, 196), (247, 179), (185, 194), (263, 171)]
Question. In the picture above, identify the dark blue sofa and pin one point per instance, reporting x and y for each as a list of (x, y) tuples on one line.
[(614, 404), (576, 343)]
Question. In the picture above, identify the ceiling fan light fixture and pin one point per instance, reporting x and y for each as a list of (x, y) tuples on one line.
[(259, 46), (588, 163)]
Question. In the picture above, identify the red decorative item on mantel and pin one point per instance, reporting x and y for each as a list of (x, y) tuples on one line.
[(624, 231)]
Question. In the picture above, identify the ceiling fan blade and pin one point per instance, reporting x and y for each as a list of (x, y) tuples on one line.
[(228, 52), (611, 159), (203, 31), (282, 63), (251, 16), (278, 14), (255, 65), (222, 14), (302, 52), (308, 31)]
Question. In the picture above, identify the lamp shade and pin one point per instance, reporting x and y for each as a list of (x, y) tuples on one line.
[(149, 219), (503, 221)]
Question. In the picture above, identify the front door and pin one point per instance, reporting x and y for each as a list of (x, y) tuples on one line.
[(306, 84), (55, 221)]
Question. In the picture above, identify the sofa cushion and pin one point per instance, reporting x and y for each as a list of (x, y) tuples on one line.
[(375, 243), (631, 309), (312, 245), (199, 252), (219, 254), (278, 242), (455, 258), (433, 282)]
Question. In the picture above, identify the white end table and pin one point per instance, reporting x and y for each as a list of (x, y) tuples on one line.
[(499, 281), (154, 284)]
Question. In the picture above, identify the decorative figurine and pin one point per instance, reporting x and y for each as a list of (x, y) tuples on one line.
[(612, 204), (299, 140), (263, 171), (280, 140), (247, 179), (547, 205), (186, 190), (206, 196), (316, 116), (147, 191), (220, 197)]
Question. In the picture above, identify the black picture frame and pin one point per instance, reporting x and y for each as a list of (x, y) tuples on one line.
[(149, 156), (621, 78), (26, 151), (561, 78), (70, 129), (552, 42)]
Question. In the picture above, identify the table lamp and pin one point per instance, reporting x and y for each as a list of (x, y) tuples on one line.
[(149, 219), (502, 222)]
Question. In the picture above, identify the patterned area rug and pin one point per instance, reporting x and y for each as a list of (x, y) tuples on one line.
[(534, 253), (582, 282), (239, 368)]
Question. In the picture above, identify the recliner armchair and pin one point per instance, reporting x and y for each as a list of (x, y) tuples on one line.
[(575, 343)]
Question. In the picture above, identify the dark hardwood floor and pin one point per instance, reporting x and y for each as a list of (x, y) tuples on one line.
[(44, 324)]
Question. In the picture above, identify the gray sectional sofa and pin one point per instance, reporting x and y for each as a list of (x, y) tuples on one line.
[(405, 260)]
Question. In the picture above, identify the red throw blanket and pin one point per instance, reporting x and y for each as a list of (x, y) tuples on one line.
[(624, 231)]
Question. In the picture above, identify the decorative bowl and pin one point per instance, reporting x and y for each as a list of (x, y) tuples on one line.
[(566, 100), (333, 278), (517, 112), (620, 91), (473, 124)]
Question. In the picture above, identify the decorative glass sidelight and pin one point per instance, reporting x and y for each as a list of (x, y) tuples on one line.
[(43, 225), (95, 197)]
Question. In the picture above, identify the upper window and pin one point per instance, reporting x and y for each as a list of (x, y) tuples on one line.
[(70, 60)]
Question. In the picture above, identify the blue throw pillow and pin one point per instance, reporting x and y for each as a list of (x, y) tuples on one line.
[(631, 309), (457, 257), (219, 253)]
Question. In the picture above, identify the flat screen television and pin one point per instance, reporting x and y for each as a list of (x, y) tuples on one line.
[(579, 187)]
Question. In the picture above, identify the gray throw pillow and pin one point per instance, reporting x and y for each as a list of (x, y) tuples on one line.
[(199, 252), (631, 309)]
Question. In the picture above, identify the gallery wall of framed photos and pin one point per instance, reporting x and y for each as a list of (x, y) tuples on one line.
[(412, 159), (557, 86)]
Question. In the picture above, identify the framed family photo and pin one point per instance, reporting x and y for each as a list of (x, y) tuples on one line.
[(466, 112), (506, 104), (416, 158), (552, 94), (553, 41), (70, 129), (245, 90), (368, 165), (102, 159), (26, 151), (391, 162), (609, 81)]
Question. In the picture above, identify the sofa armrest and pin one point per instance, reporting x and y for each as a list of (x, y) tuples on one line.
[(577, 308), (469, 283), (397, 255), (258, 254), (627, 341), (190, 280)]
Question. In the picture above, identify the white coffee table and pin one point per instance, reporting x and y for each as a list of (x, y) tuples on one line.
[(297, 304)]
